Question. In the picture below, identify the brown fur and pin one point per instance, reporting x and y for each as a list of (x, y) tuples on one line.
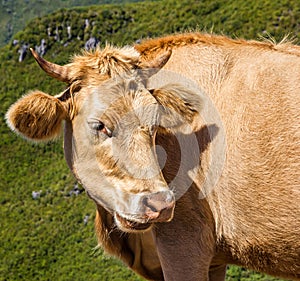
[(251, 216), (37, 116), (107, 62), (178, 104), (136, 250), (149, 47)]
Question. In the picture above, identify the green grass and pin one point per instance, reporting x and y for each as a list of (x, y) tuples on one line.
[(14, 15), (46, 239)]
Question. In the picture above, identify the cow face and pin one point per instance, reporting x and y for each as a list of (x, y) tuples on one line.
[(109, 141)]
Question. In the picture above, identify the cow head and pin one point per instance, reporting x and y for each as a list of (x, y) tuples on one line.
[(110, 128)]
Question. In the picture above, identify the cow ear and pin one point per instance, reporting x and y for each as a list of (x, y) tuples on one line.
[(37, 116), (179, 106)]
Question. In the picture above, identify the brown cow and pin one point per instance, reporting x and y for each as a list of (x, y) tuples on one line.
[(228, 154)]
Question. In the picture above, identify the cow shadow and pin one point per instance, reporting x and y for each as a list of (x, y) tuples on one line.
[(182, 154)]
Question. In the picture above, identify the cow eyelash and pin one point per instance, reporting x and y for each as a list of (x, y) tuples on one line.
[(98, 126)]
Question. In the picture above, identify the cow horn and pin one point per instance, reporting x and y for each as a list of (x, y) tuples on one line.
[(157, 63), (54, 70)]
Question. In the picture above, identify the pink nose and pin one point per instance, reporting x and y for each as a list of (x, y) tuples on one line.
[(159, 206)]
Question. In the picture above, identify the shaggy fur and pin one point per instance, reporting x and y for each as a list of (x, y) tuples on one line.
[(149, 47), (37, 116), (180, 106)]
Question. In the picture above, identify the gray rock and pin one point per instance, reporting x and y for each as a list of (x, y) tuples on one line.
[(92, 43)]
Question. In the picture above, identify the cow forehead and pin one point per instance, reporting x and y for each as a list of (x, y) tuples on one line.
[(118, 99)]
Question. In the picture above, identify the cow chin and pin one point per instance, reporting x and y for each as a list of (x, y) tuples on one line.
[(128, 225)]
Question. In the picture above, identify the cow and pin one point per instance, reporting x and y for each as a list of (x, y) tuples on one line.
[(189, 145)]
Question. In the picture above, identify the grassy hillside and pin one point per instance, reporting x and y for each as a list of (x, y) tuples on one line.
[(47, 237), (15, 14)]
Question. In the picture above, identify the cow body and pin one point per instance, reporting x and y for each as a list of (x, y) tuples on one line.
[(247, 213), (253, 208)]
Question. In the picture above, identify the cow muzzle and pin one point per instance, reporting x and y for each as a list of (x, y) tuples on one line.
[(154, 207), (159, 207)]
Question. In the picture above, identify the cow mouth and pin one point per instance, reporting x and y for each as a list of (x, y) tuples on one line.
[(129, 225)]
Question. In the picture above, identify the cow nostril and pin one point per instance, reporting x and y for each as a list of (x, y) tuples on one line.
[(150, 204), (157, 202)]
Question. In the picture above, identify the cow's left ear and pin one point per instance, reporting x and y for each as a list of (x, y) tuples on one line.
[(179, 106), (37, 116)]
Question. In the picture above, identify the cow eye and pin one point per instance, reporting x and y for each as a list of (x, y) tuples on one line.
[(99, 127)]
